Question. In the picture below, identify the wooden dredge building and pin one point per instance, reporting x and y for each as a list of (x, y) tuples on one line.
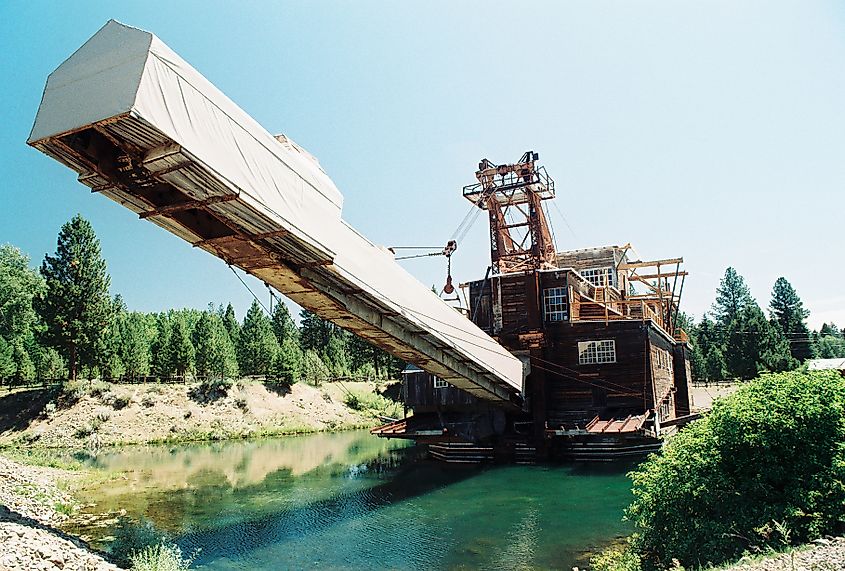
[(607, 366), (559, 353)]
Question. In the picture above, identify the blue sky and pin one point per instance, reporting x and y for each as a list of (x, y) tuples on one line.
[(713, 130)]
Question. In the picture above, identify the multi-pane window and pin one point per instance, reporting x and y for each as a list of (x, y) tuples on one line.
[(593, 352), (440, 383), (554, 304), (600, 276), (661, 359)]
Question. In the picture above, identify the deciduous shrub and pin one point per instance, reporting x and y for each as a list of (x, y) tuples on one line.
[(766, 467), (160, 557), (75, 390), (210, 389)]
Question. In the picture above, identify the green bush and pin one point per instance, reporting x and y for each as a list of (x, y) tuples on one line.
[(371, 403), (616, 559), (210, 389), (353, 401), (133, 537), (160, 557), (764, 468), (75, 390)]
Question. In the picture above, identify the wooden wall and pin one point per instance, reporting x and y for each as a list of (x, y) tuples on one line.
[(421, 396), (605, 389), (567, 393), (603, 257), (683, 376), (662, 374)]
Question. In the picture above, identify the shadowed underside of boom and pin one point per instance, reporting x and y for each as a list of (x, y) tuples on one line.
[(145, 129)]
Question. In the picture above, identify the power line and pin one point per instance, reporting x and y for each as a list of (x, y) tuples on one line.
[(261, 303)]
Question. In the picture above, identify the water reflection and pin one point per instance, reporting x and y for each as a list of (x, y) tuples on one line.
[(351, 501)]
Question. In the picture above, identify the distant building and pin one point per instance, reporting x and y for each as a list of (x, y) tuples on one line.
[(837, 364)]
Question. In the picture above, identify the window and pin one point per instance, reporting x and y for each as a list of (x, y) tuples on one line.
[(661, 358), (554, 304), (440, 383), (597, 276), (593, 352)]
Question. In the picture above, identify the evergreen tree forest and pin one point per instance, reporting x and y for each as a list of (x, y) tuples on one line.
[(737, 340), (60, 322)]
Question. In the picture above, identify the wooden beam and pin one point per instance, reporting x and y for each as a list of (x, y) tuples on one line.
[(191, 204), (219, 240), (637, 277), (633, 265), (240, 236)]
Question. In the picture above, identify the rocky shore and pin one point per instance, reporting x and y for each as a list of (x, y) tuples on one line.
[(823, 555), (115, 415), (31, 508)]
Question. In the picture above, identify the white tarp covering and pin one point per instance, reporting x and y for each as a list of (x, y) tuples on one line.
[(123, 70)]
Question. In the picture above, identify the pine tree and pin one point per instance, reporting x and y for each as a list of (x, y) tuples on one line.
[(162, 359), (133, 344), (287, 363), (336, 355), (48, 363), (714, 364), (283, 325), (18, 284), (754, 345), (830, 329), (230, 322), (182, 349), (24, 369), (366, 359), (75, 306), (258, 345), (732, 296), (788, 313), (707, 359), (215, 354), (314, 370), (7, 363), (314, 332), (107, 360), (830, 347)]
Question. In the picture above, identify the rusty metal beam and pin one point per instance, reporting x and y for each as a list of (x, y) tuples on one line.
[(182, 206)]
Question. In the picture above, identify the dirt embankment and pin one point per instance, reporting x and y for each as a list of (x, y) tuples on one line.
[(135, 414), (31, 504)]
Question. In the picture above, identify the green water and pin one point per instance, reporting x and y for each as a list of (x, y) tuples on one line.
[(353, 501)]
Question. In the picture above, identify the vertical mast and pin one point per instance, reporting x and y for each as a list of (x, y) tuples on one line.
[(520, 239)]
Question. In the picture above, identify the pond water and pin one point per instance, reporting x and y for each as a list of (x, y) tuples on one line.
[(353, 501)]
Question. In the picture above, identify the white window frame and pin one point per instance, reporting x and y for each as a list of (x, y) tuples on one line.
[(661, 356), (555, 304), (440, 383), (596, 276), (596, 352)]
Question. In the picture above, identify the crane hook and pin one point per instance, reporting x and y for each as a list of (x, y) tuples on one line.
[(450, 248)]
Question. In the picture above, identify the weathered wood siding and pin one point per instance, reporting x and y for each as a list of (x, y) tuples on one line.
[(590, 258), (683, 375), (481, 304), (662, 369), (421, 396), (579, 392)]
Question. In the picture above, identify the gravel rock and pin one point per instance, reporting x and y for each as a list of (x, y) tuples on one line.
[(25, 547), (28, 495), (824, 555)]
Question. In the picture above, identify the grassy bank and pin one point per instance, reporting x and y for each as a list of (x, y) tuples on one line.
[(95, 414)]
